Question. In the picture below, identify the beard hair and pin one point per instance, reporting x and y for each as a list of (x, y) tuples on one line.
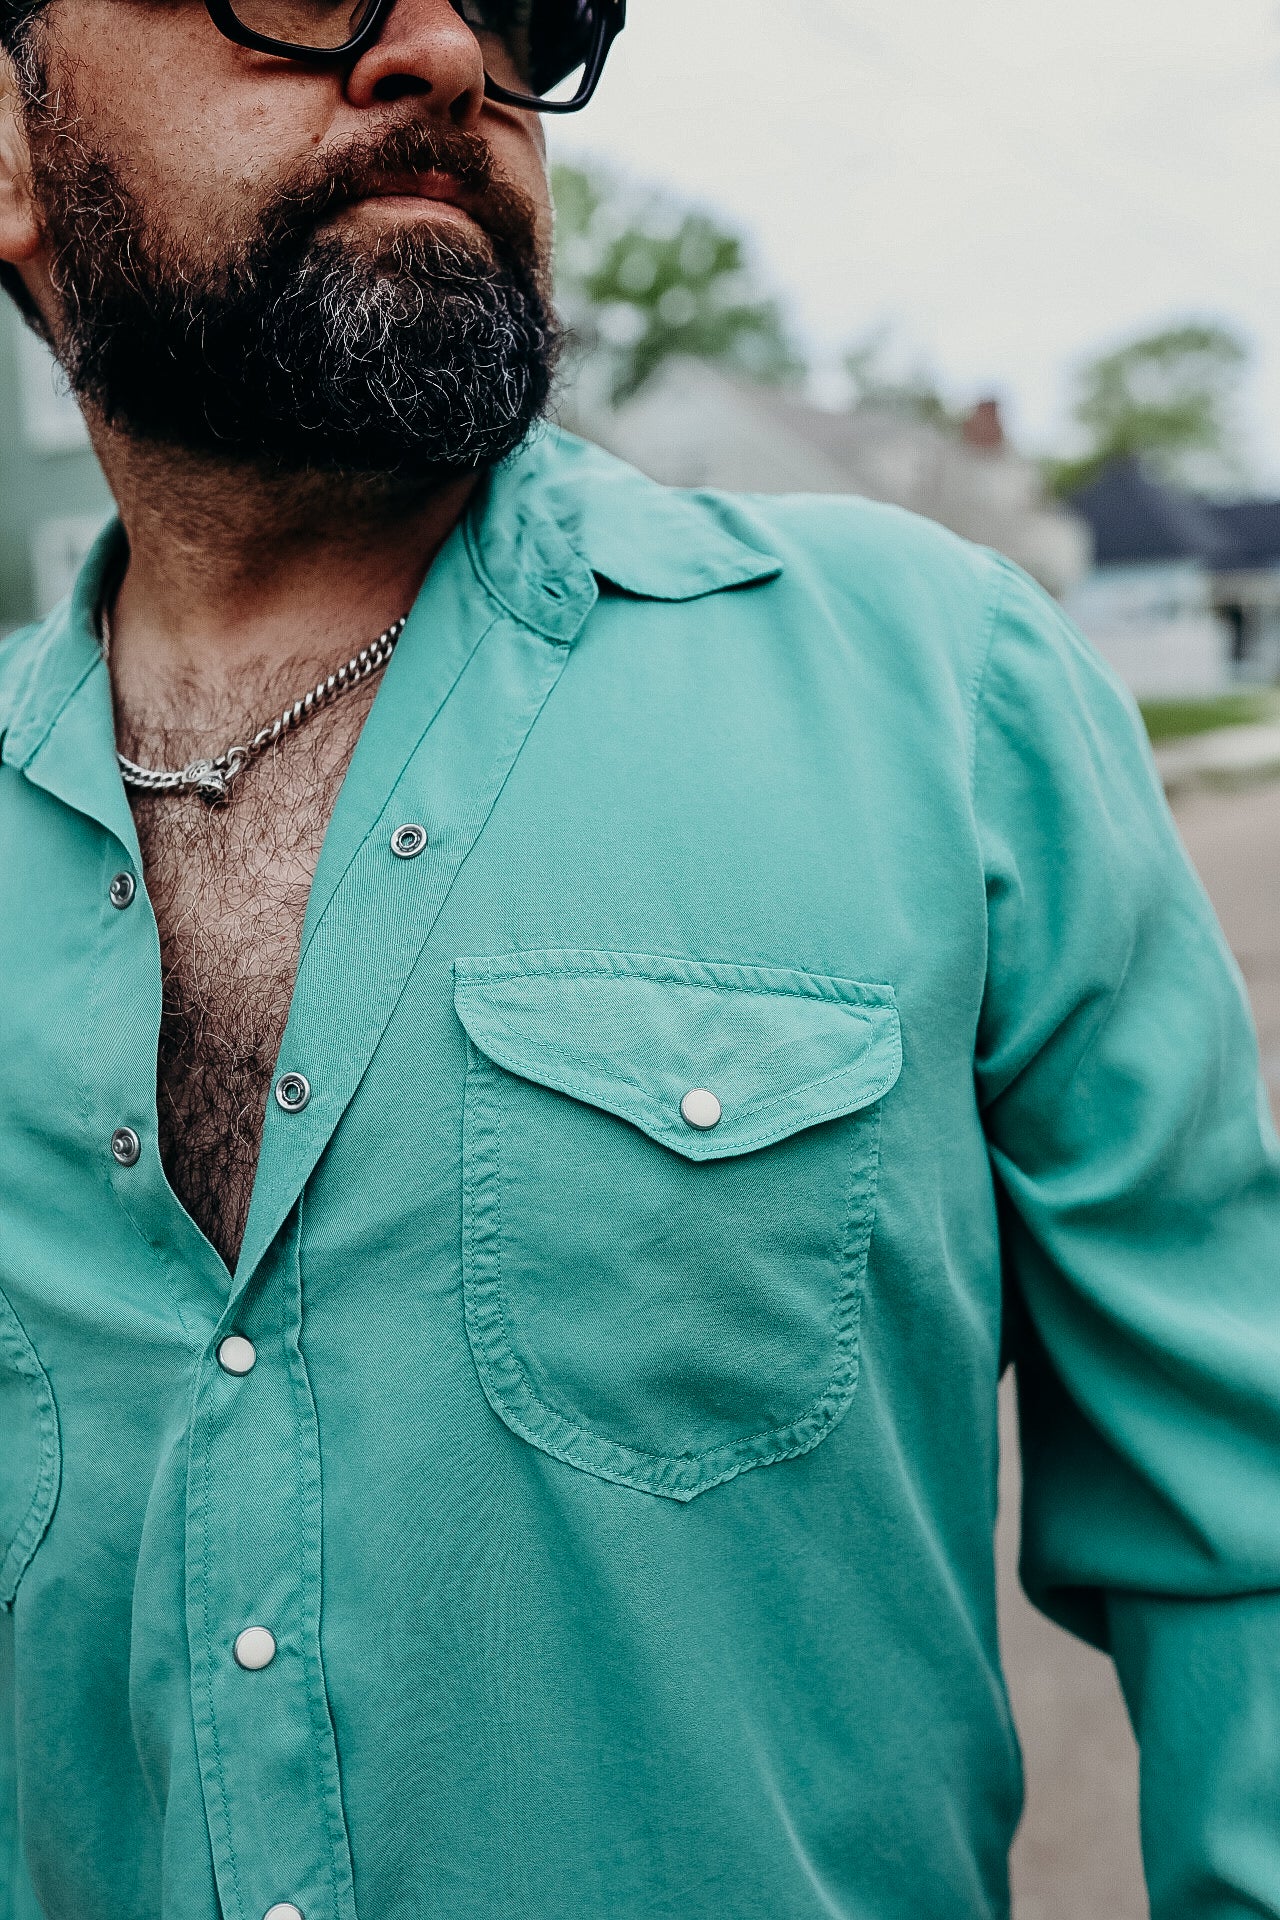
[(412, 355)]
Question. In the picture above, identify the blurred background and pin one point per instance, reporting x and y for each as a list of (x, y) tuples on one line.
[(1013, 266)]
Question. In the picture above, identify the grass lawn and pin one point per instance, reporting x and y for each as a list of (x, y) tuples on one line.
[(1175, 719)]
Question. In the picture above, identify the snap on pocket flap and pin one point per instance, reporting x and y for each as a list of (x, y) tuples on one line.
[(765, 1051)]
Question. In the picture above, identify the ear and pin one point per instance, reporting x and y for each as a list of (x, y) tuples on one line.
[(20, 235)]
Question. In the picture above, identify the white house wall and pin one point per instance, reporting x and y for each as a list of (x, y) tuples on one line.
[(1156, 626)]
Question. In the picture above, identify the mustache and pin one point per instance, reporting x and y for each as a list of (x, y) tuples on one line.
[(315, 193), (85, 206), (425, 349)]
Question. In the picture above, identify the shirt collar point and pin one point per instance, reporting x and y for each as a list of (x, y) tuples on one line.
[(648, 540), (52, 657)]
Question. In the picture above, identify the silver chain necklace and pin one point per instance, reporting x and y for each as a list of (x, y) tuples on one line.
[(211, 779)]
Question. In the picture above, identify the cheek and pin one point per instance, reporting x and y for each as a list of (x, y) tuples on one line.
[(519, 145), (200, 129)]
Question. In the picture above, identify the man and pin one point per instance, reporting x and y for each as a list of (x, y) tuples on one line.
[(516, 1184)]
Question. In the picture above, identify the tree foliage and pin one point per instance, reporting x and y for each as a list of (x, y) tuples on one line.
[(1169, 399), (640, 279), (879, 377)]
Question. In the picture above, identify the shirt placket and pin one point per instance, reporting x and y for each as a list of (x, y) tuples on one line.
[(464, 690), (272, 1791), (72, 758)]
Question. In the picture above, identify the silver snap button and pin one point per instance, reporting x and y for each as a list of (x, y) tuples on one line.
[(122, 890), (126, 1148), (285, 1911), (701, 1110), (255, 1649), (237, 1355), (293, 1090), (408, 841)]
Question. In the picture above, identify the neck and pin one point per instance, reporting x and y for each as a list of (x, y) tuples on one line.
[(234, 572)]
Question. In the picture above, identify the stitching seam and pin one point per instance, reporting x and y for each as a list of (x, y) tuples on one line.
[(211, 1705), (22, 1548), (846, 1360), (311, 1524), (673, 971), (1004, 576)]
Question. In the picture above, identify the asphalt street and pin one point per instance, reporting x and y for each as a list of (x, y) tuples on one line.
[(1077, 1853)]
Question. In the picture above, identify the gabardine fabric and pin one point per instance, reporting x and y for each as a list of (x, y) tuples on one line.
[(619, 1490)]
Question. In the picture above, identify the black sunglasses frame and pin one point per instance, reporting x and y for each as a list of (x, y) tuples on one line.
[(611, 17)]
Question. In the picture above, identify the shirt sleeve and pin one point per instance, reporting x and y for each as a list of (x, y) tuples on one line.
[(1138, 1173)]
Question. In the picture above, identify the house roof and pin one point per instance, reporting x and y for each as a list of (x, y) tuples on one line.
[(1252, 528), (1136, 518)]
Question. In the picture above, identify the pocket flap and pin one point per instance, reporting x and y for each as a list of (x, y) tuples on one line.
[(635, 1033)]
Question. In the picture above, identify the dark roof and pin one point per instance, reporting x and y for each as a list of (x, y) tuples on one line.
[(1135, 517), (1252, 528)]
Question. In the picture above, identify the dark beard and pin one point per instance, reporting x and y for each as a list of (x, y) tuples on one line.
[(415, 356)]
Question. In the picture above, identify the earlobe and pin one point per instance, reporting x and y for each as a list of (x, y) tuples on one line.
[(20, 236)]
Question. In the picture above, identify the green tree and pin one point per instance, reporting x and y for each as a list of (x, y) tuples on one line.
[(1169, 399), (640, 279), (879, 378)]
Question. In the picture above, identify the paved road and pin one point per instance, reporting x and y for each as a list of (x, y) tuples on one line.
[(1234, 839), (1077, 1853)]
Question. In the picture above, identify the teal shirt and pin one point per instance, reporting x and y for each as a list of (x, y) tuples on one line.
[(618, 1487)]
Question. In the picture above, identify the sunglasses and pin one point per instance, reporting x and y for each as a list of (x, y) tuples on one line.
[(547, 55)]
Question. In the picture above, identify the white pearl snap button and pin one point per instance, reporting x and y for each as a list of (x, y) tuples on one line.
[(237, 1355), (255, 1649), (285, 1911), (700, 1109)]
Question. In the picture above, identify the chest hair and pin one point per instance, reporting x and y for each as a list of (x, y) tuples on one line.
[(229, 887)]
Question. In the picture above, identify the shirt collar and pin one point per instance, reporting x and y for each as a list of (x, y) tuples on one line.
[(48, 675), (556, 517), (562, 506)]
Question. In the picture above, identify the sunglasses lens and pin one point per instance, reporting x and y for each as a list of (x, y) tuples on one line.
[(539, 48), (318, 24)]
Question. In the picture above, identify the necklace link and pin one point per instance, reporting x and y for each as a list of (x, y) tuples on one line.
[(212, 779)]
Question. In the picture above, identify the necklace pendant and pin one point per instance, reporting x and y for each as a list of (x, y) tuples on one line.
[(209, 781)]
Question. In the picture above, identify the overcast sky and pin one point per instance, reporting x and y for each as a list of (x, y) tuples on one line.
[(1010, 182)]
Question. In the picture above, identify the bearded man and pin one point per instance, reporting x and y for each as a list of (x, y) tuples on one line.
[(519, 1175)]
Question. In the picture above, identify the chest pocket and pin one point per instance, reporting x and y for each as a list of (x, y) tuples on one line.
[(669, 1188), (30, 1456)]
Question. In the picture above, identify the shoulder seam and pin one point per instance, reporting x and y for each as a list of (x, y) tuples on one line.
[(1004, 572)]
